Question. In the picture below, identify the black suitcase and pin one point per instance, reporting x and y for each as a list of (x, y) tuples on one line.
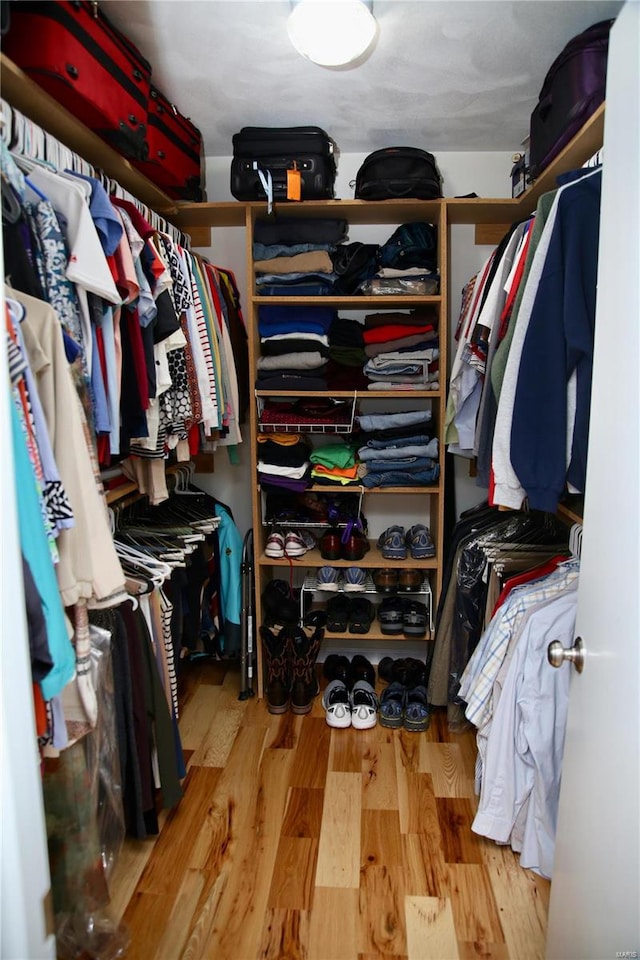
[(281, 151), (72, 50), (573, 89)]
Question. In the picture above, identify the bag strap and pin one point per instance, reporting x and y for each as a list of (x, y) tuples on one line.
[(267, 184)]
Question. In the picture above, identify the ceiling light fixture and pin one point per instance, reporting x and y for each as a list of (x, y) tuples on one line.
[(332, 33)]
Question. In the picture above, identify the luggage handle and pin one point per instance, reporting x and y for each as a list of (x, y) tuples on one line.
[(408, 187)]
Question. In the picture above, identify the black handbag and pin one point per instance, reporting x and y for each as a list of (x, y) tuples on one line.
[(397, 172)]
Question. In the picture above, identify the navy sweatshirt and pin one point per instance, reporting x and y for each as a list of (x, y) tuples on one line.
[(559, 340)]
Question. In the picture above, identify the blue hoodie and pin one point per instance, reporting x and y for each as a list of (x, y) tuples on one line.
[(559, 340)]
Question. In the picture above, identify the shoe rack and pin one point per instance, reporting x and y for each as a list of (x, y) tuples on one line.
[(312, 597)]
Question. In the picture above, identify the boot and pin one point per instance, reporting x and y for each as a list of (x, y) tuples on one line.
[(275, 642), (304, 647)]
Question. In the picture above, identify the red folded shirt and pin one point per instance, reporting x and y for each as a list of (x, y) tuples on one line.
[(394, 332)]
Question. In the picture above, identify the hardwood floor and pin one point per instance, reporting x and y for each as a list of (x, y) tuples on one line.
[(294, 840)]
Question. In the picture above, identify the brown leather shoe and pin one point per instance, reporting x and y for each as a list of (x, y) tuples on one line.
[(385, 580), (409, 581), (355, 547), (330, 545)]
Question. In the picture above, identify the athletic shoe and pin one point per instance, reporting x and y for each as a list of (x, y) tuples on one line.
[(297, 543), (275, 545), (328, 578), (392, 544), (355, 579), (364, 706), (419, 541), (335, 701)]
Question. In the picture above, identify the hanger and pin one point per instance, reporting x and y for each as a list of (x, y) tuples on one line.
[(11, 206), (35, 189)]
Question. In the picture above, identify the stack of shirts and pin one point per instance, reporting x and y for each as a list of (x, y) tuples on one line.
[(402, 351), (283, 461), (346, 355), (294, 344), (334, 463), (292, 256), (398, 450)]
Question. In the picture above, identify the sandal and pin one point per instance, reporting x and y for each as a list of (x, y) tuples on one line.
[(416, 711), (361, 615), (414, 619), (392, 705), (390, 616)]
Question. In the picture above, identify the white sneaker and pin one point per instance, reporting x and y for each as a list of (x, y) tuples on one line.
[(274, 547), (335, 701), (297, 543), (364, 706)]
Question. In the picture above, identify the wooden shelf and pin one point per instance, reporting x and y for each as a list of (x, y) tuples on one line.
[(357, 487), (349, 303), (35, 103), (478, 210), (372, 559)]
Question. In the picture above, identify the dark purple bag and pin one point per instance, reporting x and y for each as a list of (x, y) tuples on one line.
[(573, 89)]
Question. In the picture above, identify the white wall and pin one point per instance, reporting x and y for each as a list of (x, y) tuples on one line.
[(486, 174)]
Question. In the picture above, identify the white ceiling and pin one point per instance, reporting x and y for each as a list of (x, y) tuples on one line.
[(444, 75)]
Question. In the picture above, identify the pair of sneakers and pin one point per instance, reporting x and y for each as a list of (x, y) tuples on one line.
[(356, 708), (395, 542), (353, 579), (292, 544)]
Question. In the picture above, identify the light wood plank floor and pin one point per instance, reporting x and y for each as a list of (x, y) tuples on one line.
[(294, 840)]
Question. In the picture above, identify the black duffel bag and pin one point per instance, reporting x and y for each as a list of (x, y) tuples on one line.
[(397, 172)]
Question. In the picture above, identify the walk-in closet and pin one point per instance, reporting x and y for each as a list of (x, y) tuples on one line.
[(319, 512)]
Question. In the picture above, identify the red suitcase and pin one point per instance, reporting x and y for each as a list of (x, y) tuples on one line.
[(71, 50), (175, 158)]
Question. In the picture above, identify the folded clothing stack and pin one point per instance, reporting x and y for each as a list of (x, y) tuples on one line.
[(398, 450), (408, 263), (283, 461), (294, 345), (401, 350), (334, 463), (292, 257)]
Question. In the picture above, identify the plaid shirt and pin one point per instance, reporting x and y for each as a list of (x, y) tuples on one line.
[(476, 687)]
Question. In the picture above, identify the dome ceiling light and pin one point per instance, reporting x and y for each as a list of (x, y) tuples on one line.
[(332, 33)]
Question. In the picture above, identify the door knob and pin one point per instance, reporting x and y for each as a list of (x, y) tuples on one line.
[(557, 654)]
